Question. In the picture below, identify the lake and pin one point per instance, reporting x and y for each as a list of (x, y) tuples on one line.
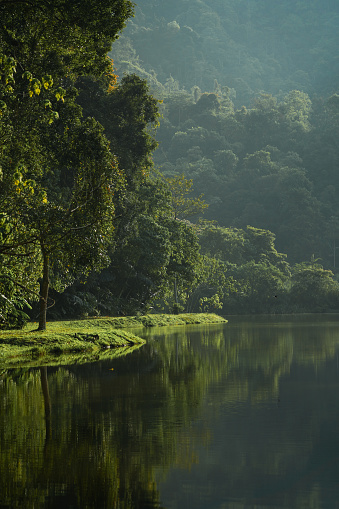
[(236, 416)]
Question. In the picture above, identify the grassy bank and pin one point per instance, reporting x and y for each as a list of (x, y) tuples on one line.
[(157, 320), (84, 340)]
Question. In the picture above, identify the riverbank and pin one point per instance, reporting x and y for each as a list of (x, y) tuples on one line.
[(85, 340)]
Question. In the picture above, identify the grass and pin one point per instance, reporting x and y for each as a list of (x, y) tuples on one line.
[(156, 320), (84, 340)]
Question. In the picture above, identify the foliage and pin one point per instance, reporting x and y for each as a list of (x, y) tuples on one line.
[(82, 199), (256, 276), (260, 166), (52, 219), (249, 46), (271, 164), (152, 253), (259, 288), (259, 278), (183, 206), (58, 174), (314, 288)]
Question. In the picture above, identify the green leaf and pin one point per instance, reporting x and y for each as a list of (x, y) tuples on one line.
[(27, 75), (60, 93), (47, 81), (35, 86), (47, 103)]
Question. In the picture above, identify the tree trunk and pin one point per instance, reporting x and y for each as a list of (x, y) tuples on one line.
[(44, 287)]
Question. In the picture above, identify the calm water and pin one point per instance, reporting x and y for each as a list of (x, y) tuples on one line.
[(222, 417)]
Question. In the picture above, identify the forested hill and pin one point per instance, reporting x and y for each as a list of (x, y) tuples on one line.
[(101, 208), (250, 46), (272, 163)]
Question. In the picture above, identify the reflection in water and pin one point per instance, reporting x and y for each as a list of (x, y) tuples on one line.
[(238, 416), (47, 401)]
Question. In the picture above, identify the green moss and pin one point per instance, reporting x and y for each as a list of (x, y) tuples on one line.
[(84, 340)]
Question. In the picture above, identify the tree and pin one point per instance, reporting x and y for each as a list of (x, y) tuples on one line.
[(259, 287), (135, 276), (129, 114), (255, 273), (66, 227), (296, 108), (58, 173), (212, 284), (65, 39), (184, 206), (313, 288), (154, 260)]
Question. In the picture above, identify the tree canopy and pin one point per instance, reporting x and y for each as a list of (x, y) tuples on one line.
[(58, 174), (104, 179)]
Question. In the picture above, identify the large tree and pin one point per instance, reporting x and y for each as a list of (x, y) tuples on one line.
[(58, 175)]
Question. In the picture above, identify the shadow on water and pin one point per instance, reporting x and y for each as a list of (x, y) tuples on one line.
[(228, 417)]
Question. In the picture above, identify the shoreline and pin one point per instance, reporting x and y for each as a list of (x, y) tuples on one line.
[(85, 340)]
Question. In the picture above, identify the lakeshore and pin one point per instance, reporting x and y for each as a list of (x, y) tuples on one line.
[(85, 340)]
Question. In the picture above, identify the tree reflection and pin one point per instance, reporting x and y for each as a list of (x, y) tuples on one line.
[(121, 426), (47, 401)]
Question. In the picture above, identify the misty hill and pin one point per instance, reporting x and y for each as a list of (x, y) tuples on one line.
[(274, 163), (250, 46)]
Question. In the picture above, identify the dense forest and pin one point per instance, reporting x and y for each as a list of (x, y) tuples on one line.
[(168, 156), (249, 46)]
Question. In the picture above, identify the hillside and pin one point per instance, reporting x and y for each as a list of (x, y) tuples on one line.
[(222, 108), (272, 163), (250, 46)]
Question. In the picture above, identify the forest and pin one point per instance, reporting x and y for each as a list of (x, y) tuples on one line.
[(168, 157)]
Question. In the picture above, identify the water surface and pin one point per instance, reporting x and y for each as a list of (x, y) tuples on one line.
[(244, 415)]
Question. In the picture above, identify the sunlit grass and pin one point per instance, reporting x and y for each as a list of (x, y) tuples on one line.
[(88, 338)]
